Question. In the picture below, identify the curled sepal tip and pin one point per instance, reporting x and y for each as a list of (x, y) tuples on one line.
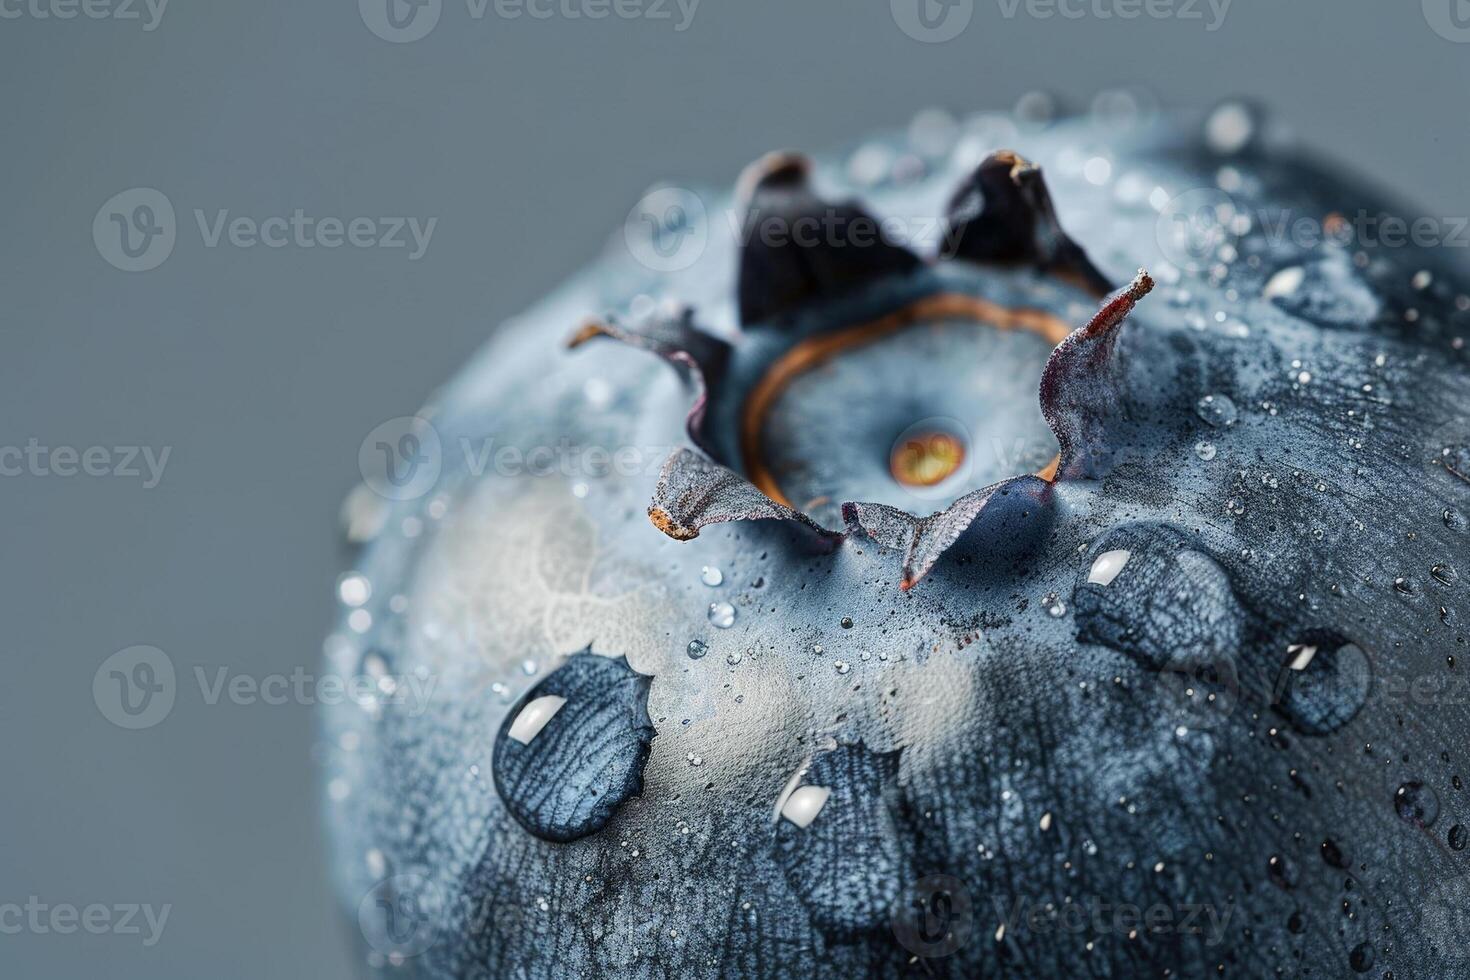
[(1081, 383), (699, 356), (694, 492), (797, 247), (1004, 214)]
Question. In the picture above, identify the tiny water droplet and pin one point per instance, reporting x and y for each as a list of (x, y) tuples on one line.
[(1459, 837), (1055, 608), (847, 622), (721, 615), (1217, 410), (1416, 803), (1443, 574), (697, 649), (1205, 450), (842, 666), (711, 576), (733, 657)]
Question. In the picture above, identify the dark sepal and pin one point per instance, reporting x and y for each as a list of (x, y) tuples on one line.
[(1004, 214), (796, 247), (1080, 385)]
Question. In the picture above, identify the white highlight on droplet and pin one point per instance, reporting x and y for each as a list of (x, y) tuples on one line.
[(804, 803), (1107, 566), (1285, 282), (1302, 655), (534, 717)]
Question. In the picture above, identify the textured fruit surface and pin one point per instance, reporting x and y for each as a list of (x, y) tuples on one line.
[(1186, 703)]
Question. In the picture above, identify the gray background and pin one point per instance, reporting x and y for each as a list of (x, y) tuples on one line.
[(263, 369)]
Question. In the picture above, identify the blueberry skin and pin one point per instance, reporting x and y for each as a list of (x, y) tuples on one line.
[(1046, 765)]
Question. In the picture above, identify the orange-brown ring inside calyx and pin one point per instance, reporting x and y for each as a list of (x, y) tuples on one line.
[(816, 351)]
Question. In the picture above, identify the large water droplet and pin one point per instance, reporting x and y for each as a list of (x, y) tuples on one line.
[(841, 839), (1323, 684), (711, 576), (573, 750)]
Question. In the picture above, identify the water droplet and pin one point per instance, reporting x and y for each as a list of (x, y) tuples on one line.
[(1324, 684), (1333, 855), (1217, 410), (697, 649), (1229, 128), (1453, 519), (1055, 608), (733, 657), (711, 576), (847, 622), (842, 666), (1282, 871), (721, 615), (1443, 574), (1459, 837), (585, 732), (1205, 450), (1361, 958), (1235, 505), (1416, 803), (1403, 586), (354, 589)]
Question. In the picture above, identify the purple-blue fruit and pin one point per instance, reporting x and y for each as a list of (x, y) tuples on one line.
[(880, 593)]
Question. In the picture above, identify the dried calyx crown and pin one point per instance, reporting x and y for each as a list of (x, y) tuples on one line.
[(1001, 215)]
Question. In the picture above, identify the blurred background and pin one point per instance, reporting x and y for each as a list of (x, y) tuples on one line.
[(181, 404)]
